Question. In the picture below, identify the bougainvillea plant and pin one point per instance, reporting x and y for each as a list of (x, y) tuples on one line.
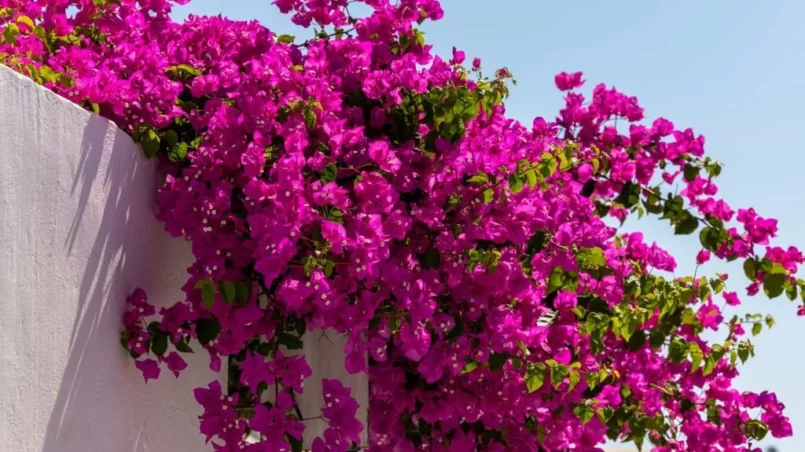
[(356, 182)]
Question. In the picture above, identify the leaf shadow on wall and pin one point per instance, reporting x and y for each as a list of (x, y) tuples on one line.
[(102, 403)]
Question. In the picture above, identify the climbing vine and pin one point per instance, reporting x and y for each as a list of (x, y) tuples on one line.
[(358, 183)]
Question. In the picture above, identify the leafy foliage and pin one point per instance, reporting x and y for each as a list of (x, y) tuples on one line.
[(356, 182)]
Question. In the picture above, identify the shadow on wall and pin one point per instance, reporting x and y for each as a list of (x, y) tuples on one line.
[(114, 245), (99, 310)]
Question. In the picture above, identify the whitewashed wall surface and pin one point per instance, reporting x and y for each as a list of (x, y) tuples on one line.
[(77, 234)]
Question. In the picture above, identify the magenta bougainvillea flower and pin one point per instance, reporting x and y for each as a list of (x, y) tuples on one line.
[(149, 368), (356, 182)]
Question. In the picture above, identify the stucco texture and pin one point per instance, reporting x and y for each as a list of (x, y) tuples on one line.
[(77, 234)]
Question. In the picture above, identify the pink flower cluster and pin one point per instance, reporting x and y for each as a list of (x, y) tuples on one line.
[(358, 183)]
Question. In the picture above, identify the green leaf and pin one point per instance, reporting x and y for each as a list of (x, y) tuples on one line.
[(310, 117), (296, 444), (26, 20), (469, 367), (329, 173), (431, 260), (160, 344), (601, 209), (201, 283), (696, 355), (750, 269), (573, 380), (497, 361), (394, 324), (597, 324), (584, 412), (531, 178), (629, 195), (10, 33), (711, 238), (290, 341), (656, 339), (757, 328), (154, 328), (678, 351), (178, 153), (558, 374), (774, 281), (536, 243), (686, 224), (756, 429), (489, 195), (419, 38), (714, 169), (717, 284), (691, 172), (329, 266), (523, 348), (791, 291), (150, 142), (208, 295), (686, 405), (516, 184), (535, 376), (718, 351), (709, 365), (183, 347), (588, 188), (310, 265), (743, 351), (605, 414), (124, 340), (228, 291), (673, 207), (556, 279), (548, 167), (182, 71), (479, 179), (592, 379), (596, 165), (637, 340), (207, 330), (286, 39), (591, 257), (626, 391), (689, 317), (713, 412), (242, 292)]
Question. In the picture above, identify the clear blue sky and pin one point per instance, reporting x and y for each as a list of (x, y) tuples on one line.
[(731, 70)]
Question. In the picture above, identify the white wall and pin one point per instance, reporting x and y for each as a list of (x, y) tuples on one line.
[(325, 355), (77, 234)]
